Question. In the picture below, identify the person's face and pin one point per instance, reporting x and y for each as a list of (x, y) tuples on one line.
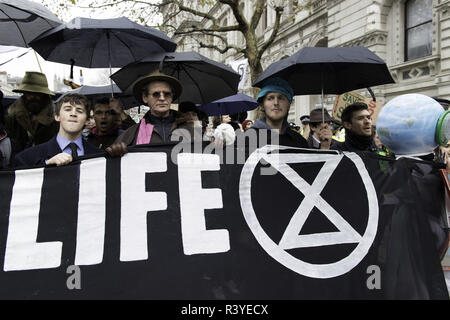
[(34, 102), (248, 125), (377, 140), (361, 123), (159, 98), (226, 119), (90, 123), (72, 119), (276, 106), (104, 119), (320, 126)]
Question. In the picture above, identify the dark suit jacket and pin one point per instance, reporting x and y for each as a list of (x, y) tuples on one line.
[(38, 154)]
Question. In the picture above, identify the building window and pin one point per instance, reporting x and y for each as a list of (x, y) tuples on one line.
[(418, 31)]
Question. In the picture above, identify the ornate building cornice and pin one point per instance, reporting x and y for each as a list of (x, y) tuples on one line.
[(369, 39)]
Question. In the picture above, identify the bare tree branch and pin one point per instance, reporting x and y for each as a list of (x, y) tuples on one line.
[(212, 29), (189, 9), (238, 14), (257, 13), (222, 51)]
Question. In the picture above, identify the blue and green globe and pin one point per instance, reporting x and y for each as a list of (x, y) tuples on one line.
[(407, 124)]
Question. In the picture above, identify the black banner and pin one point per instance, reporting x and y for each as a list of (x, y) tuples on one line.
[(284, 224)]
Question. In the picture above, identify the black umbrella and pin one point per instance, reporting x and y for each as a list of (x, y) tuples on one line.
[(316, 70), (21, 21), (96, 92), (100, 43), (203, 80), (319, 70), (230, 105)]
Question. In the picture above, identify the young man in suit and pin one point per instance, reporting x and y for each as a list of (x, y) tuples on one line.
[(72, 112)]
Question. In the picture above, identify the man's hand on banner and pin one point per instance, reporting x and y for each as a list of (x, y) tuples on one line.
[(60, 159), (117, 149)]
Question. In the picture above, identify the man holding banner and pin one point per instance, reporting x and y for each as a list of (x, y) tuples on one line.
[(72, 112)]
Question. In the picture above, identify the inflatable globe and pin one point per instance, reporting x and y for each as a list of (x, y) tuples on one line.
[(413, 124)]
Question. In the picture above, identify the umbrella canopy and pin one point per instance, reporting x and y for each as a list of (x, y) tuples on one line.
[(230, 105), (318, 70), (96, 92), (203, 80), (100, 43), (21, 21)]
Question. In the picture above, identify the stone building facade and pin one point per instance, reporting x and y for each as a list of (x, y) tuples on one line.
[(412, 36)]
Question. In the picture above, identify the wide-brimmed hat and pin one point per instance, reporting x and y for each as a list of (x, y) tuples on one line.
[(34, 82), (141, 82), (316, 116)]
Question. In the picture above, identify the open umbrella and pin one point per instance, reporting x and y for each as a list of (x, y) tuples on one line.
[(316, 70), (96, 92), (319, 70), (100, 43), (21, 21), (203, 79), (229, 105)]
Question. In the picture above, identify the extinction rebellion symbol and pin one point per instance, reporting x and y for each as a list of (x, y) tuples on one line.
[(291, 238)]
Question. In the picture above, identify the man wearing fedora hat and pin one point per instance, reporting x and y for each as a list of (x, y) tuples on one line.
[(30, 119), (160, 124), (320, 135)]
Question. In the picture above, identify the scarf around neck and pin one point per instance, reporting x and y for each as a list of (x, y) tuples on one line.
[(359, 142)]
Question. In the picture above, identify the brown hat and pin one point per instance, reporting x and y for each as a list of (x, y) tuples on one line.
[(139, 84), (316, 116), (34, 82)]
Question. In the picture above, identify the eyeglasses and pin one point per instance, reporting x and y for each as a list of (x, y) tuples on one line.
[(157, 94)]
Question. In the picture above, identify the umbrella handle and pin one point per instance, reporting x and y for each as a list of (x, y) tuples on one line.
[(372, 94), (72, 62), (161, 63)]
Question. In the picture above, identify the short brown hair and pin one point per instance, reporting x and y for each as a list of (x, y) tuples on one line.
[(73, 98), (347, 114)]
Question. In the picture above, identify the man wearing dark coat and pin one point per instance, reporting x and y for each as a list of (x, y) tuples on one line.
[(72, 112), (320, 135), (106, 128), (160, 124), (30, 119), (357, 122)]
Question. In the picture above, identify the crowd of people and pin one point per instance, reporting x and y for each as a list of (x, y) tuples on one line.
[(36, 131)]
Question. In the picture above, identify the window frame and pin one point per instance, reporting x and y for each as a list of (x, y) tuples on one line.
[(406, 29)]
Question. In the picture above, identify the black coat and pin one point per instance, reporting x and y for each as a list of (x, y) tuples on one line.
[(37, 155), (290, 138)]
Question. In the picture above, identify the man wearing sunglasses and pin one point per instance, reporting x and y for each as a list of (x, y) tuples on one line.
[(160, 124)]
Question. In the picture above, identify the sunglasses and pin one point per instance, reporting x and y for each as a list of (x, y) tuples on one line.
[(157, 94)]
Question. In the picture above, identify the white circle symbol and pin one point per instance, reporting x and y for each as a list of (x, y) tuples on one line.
[(291, 238)]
